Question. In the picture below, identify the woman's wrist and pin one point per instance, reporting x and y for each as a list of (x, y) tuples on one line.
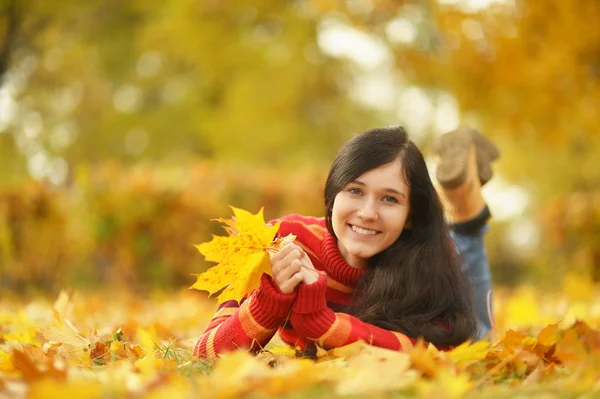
[(311, 297), (271, 299)]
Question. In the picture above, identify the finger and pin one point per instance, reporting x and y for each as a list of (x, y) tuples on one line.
[(277, 260), (283, 252), (291, 253), (286, 272), (288, 286), (281, 264), (292, 269), (306, 262)]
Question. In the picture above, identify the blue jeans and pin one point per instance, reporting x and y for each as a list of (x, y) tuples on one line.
[(470, 246)]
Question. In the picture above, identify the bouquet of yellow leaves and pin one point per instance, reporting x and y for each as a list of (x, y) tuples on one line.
[(242, 257)]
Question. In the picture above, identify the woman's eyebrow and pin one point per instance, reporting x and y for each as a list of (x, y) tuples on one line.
[(389, 190), (394, 191)]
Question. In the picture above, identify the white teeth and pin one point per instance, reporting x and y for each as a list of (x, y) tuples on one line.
[(363, 231)]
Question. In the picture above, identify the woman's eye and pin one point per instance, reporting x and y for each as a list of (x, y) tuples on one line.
[(354, 191), (389, 198)]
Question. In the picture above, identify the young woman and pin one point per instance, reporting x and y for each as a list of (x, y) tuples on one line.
[(380, 267)]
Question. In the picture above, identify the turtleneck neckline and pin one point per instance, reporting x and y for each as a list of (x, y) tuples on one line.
[(335, 265)]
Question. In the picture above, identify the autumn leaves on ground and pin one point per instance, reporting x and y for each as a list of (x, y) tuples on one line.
[(110, 345)]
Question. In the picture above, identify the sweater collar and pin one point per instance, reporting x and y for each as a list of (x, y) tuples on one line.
[(335, 265)]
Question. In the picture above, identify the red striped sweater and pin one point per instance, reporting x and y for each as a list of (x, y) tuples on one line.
[(308, 316)]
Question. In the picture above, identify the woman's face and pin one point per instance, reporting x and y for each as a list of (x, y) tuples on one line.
[(370, 212)]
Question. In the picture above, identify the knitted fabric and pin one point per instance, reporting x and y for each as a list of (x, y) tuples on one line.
[(309, 315)]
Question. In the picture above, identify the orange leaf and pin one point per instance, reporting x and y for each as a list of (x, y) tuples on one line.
[(23, 363), (548, 335), (30, 370)]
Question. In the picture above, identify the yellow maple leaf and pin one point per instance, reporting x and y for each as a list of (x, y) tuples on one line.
[(424, 358), (66, 335), (149, 364), (469, 352), (48, 388), (447, 384), (5, 361), (374, 370), (242, 256)]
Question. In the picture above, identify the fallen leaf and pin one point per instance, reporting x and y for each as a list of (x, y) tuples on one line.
[(5, 361), (423, 359), (54, 368), (469, 352), (374, 370), (52, 389), (453, 385), (236, 373), (149, 364), (535, 376), (64, 305), (25, 365), (548, 335), (67, 334), (289, 375), (347, 351)]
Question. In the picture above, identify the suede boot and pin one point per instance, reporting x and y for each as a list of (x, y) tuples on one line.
[(465, 201), (452, 150)]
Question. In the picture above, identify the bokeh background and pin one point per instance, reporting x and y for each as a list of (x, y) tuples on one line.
[(126, 125)]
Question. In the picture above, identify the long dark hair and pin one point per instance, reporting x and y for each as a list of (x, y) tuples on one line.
[(416, 286)]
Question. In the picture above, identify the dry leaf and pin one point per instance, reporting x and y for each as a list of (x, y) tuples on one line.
[(563, 360), (23, 363), (374, 370), (67, 334), (51, 389), (31, 372), (149, 364), (469, 352), (423, 358)]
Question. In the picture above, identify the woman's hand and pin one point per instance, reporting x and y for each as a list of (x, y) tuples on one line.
[(291, 266), (286, 266), (310, 274)]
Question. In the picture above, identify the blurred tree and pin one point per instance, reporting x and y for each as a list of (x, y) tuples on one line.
[(168, 80), (526, 72), (8, 25), (248, 81)]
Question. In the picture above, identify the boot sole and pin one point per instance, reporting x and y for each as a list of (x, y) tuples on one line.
[(453, 151)]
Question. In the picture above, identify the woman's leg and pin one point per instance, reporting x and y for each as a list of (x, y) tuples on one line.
[(468, 238), (468, 214)]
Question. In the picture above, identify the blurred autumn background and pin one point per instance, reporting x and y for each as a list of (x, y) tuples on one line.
[(126, 125)]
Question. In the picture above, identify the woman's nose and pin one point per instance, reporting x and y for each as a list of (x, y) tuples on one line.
[(367, 211)]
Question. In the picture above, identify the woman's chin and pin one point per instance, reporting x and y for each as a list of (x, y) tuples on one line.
[(360, 255)]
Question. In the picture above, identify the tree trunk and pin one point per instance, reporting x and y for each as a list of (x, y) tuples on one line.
[(10, 14)]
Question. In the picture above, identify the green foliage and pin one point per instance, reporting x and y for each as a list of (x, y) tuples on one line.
[(173, 80)]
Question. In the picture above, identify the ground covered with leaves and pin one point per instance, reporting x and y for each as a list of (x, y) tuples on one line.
[(119, 345)]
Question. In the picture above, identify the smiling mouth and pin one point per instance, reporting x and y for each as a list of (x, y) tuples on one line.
[(364, 232)]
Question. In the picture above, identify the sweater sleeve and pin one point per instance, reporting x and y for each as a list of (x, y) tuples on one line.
[(248, 325), (328, 329)]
